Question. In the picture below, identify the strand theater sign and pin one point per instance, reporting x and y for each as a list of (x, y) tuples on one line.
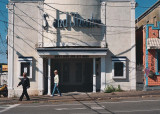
[(72, 20)]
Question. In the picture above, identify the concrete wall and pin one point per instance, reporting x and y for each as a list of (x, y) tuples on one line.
[(25, 37), (121, 41)]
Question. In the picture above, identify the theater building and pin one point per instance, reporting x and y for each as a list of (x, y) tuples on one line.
[(90, 42)]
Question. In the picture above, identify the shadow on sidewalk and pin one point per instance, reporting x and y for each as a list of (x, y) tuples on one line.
[(89, 107)]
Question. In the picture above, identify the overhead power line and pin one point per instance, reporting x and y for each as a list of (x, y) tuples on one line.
[(89, 21), (56, 33)]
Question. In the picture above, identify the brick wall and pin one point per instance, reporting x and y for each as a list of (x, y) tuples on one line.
[(153, 33), (152, 60)]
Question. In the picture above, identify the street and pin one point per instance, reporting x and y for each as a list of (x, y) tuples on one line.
[(138, 106)]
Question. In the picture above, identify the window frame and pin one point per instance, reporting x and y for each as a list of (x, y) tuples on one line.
[(124, 61), (25, 60)]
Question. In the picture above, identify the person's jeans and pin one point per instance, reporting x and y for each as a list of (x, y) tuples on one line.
[(24, 93), (55, 87)]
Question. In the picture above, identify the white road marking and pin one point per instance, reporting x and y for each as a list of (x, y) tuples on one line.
[(8, 108), (4, 106), (70, 109), (98, 107), (51, 105), (62, 109), (85, 113)]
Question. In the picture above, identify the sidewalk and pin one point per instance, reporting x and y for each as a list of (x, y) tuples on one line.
[(77, 96)]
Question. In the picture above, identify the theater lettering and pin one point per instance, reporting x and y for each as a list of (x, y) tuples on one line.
[(74, 20)]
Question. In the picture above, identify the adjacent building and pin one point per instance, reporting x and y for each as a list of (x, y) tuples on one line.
[(3, 73), (148, 45), (90, 42)]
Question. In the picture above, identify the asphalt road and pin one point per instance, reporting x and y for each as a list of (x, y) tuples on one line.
[(87, 107)]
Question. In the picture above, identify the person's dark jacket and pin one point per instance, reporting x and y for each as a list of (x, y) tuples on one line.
[(25, 83)]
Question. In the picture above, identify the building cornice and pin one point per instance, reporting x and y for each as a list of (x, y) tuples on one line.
[(72, 51)]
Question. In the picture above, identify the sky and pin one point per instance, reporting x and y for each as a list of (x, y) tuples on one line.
[(3, 31), (143, 5)]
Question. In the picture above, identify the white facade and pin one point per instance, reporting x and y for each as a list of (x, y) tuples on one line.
[(71, 36)]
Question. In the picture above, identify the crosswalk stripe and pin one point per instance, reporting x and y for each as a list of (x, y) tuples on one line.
[(70, 109), (8, 108)]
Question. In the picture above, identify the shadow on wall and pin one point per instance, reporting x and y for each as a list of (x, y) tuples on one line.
[(128, 68), (110, 55), (35, 69)]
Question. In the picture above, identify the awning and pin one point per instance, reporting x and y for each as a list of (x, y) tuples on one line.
[(153, 43), (72, 51)]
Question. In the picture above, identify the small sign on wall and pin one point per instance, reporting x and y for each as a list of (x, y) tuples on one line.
[(4, 68), (25, 67)]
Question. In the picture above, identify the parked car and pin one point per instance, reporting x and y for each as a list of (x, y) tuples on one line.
[(3, 90)]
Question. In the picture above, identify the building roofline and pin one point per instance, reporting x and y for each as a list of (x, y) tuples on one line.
[(148, 11)]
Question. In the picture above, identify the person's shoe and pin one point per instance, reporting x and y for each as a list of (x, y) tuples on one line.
[(28, 99), (20, 99), (51, 95)]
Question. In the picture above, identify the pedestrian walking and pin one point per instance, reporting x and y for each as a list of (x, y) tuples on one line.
[(25, 84), (56, 83)]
